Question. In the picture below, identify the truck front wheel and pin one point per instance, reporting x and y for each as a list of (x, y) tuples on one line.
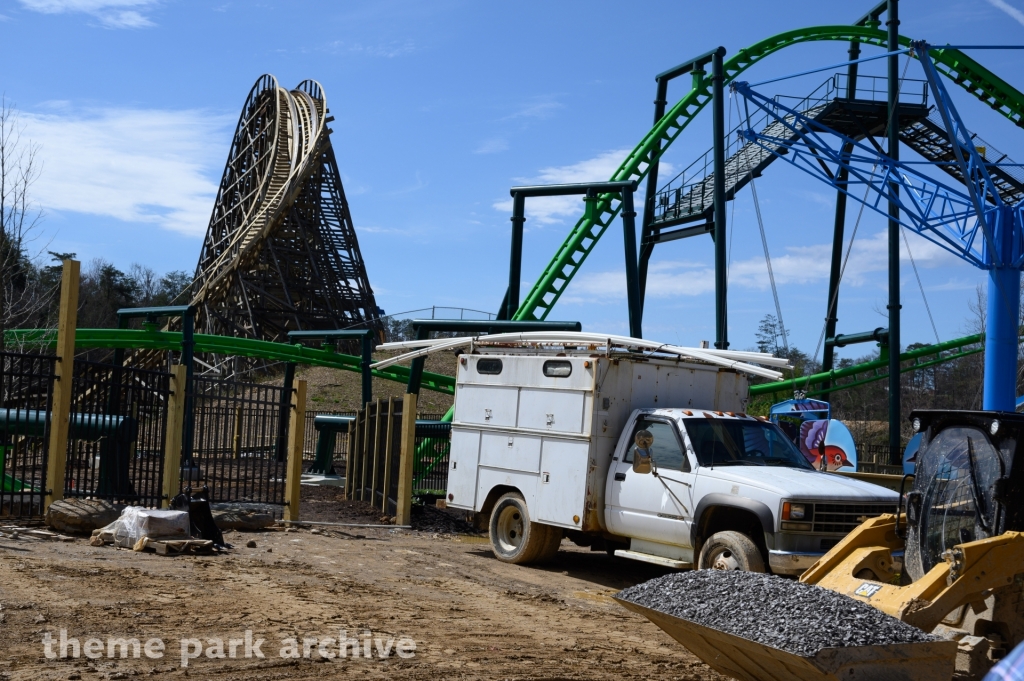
[(514, 537), (730, 551)]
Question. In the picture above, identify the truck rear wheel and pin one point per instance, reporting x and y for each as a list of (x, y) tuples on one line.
[(514, 537), (730, 551)]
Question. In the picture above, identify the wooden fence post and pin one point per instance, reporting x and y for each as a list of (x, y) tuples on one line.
[(348, 456), (64, 371), (172, 443), (375, 477), (365, 453), (388, 441), (404, 511), (296, 433)]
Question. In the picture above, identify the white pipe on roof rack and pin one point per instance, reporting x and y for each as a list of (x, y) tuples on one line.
[(755, 357), (576, 338)]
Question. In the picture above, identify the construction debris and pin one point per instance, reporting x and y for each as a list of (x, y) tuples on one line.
[(773, 611), (81, 516)]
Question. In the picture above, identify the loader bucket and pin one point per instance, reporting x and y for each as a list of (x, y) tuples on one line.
[(747, 660)]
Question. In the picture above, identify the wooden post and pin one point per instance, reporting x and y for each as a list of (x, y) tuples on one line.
[(296, 433), (404, 511), (236, 439), (387, 454), (64, 371), (375, 477), (172, 443), (365, 453), (348, 457)]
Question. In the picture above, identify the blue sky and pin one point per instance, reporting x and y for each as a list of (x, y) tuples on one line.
[(439, 108)]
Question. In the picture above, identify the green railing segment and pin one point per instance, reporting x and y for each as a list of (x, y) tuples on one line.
[(876, 370), (143, 339), (961, 69)]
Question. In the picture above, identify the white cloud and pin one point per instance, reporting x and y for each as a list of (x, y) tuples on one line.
[(492, 146), (111, 13), (1012, 11), (147, 166), (799, 265), (540, 107), (548, 210)]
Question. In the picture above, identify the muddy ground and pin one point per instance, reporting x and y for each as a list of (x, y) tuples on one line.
[(469, 615)]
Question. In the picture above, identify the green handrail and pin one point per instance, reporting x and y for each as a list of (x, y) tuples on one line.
[(143, 339), (964, 71)]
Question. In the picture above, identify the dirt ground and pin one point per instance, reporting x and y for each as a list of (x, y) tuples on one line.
[(468, 615)]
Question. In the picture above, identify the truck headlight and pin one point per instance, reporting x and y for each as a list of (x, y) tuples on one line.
[(792, 511)]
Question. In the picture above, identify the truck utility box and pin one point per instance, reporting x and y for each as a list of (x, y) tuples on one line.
[(547, 423)]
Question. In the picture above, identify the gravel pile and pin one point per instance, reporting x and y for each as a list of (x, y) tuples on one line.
[(442, 521), (782, 613)]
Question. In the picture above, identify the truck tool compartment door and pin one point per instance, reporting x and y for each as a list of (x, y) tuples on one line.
[(653, 507)]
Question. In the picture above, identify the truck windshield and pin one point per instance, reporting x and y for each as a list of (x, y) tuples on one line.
[(742, 442)]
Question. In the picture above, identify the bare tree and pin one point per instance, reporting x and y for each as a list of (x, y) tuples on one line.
[(20, 295)]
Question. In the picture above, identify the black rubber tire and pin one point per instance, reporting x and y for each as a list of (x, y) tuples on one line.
[(514, 537), (730, 551), (550, 549)]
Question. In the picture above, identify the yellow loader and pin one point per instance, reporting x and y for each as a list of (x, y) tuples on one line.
[(951, 562)]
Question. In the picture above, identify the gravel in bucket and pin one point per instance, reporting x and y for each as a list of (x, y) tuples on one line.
[(782, 613)]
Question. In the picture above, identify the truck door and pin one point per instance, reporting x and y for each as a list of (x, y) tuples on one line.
[(656, 506)]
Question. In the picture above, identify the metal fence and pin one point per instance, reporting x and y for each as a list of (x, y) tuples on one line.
[(310, 434), (875, 459), (430, 467), (240, 441), (26, 392), (118, 425)]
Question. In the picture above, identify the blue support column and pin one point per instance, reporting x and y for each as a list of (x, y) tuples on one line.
[(1002, 318)]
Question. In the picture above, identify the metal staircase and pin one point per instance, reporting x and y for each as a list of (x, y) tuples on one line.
[(688, 197)]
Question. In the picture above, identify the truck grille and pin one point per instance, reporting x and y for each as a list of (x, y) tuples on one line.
[(844, 518)]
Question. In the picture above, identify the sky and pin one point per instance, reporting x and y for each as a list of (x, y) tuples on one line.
[(439, 109)]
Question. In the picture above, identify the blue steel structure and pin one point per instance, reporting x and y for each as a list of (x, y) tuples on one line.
[(976, 226)]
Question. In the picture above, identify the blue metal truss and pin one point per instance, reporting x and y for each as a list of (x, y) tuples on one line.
[(975, 225)]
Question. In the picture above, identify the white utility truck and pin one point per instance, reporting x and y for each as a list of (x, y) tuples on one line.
[(543, 447)]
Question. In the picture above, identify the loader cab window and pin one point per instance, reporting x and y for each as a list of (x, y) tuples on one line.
[(667, 450), (742, 442), (957, 474)]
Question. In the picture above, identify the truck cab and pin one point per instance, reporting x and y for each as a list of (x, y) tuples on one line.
[(727, 490)]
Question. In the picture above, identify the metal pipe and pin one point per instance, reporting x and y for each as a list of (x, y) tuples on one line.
[(880, 335), (629, 245), (839, 227), (1002, 318), (284, 411), (515, 261), (650, 196), (893, 148), (721, 279)]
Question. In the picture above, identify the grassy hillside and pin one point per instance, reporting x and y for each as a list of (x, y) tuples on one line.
[(335, 390)]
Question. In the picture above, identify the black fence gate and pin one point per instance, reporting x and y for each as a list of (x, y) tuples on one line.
[(240, 440), (116, 435)]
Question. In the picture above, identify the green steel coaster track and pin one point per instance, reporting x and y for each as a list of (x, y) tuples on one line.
[(961, 69), (225, 345), (876, 370)]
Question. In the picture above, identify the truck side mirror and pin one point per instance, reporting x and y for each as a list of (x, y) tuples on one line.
[(642, 454)]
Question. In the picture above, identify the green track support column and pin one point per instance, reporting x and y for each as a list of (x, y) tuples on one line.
[(515, 261), (721, 264), (285, 409), (895, 453), (632, 279), (839, 228)]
